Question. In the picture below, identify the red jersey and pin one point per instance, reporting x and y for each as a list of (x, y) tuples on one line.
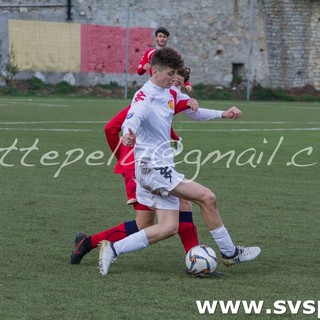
[(146, 58)]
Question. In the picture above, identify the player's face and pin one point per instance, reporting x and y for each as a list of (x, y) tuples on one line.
[(161, 39), (178, 82), (163, 78)]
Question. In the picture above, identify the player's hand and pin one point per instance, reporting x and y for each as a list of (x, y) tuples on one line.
[(129, 138), (147, 66), (189, 88), (193, 104), (177, 147), (232, 113)]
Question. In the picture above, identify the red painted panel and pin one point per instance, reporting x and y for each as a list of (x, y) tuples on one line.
[(103, 48)]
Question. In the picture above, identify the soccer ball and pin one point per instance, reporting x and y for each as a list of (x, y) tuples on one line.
[(201, 260)]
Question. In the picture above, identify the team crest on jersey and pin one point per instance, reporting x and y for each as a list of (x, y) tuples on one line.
[(171, 104)]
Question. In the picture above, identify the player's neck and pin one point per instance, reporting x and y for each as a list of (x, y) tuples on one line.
[(156, 83)]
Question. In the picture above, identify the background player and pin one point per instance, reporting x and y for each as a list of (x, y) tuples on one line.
[(161, 39)]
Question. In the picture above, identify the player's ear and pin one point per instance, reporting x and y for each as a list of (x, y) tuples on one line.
[(154, 70)]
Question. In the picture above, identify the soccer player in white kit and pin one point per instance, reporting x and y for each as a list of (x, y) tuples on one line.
[(159, 185)]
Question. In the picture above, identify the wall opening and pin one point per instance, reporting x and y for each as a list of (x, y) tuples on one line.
[(238, 73)]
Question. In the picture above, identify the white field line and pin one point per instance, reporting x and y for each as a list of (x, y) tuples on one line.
[(41, 105), (29, 100), (175, 122), (246, 122), (302, 108), (53, 129), (248, 130), (179, 130), (49, 122)]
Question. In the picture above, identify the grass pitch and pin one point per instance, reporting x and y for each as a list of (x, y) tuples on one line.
[(57, 178)]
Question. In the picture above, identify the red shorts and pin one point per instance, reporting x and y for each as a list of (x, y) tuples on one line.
[(131, 186)]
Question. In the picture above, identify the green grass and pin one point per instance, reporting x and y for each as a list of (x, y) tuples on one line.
[(267, 203)]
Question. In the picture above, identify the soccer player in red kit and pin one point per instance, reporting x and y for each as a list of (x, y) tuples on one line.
[(161, 39)]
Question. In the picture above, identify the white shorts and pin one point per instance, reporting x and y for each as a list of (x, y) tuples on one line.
[(154, 185)]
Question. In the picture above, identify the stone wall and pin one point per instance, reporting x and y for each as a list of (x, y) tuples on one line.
[(314, 45), (212, 35), (288, 39)]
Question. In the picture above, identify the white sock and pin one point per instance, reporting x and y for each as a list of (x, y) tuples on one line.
[(133, 242), (224, 241)]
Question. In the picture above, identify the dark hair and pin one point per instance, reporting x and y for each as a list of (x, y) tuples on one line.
[(167, 57), (162, 30), (185, 73)]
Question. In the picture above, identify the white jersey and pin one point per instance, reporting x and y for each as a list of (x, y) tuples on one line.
[(150, 118)]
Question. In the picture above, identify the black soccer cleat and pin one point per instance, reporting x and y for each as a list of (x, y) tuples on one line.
[(82, 245)]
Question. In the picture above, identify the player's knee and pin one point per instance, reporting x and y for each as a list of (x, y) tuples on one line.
[(209, 198)]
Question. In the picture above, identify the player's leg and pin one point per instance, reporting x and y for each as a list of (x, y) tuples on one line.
[(187, 232), (167, 226), (144, 217), (205, 198), (167, 223), (85, 243)]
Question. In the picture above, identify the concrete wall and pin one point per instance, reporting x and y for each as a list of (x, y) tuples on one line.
[(212, 35)]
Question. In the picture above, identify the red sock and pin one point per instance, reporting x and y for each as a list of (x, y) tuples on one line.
[(187, 231), (115, 234)]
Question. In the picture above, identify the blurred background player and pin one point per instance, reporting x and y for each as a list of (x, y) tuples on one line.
[(161, 39), (182, 77)]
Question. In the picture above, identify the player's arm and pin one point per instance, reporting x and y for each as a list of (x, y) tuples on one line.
[(144, 64), (186, 104), (137, 113), (112, 131), (204, 114), (174, 135), (188, 86)]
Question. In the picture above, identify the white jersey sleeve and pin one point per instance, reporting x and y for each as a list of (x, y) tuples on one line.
[(136, 114), (203, 114)]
